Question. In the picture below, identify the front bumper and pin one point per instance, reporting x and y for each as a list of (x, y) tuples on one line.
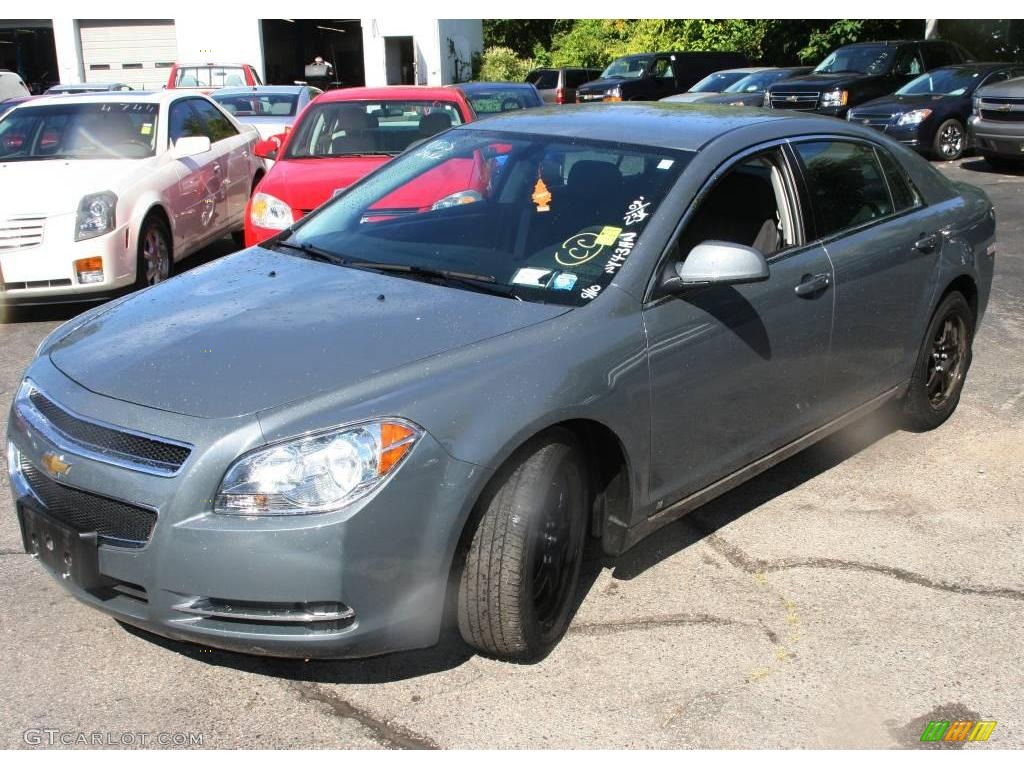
[(1004, 139), (368, 579), (45, 273)]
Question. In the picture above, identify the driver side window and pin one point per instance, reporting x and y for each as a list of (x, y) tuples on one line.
[(183, 122), (662, 69), (908, 62), (750, 205)]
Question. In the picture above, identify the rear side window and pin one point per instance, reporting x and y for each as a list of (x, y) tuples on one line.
[(544, 78), (904, 193), (574, 78), (846, 184)]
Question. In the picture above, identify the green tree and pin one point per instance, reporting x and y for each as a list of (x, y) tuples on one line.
[(500, 63)]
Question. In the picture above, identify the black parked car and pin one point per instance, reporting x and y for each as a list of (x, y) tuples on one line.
[(749, 92), (930, 112), (653, 76), (857, 73)]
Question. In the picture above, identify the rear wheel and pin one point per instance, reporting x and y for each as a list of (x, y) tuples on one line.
[(949, 140), (153, 263), (518, 585), (942, 364)]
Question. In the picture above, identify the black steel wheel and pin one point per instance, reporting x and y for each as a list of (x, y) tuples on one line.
[(942, 364)]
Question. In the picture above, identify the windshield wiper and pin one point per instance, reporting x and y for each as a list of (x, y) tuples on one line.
[(313, 252), (471, 280)]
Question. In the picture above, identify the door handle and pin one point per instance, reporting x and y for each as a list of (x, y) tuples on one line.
[(927, 244), (216, 169), (812, 285)]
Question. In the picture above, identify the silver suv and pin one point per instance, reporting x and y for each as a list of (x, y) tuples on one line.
[(997, 124)]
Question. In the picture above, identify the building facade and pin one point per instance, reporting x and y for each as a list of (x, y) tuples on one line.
[(140, 52)]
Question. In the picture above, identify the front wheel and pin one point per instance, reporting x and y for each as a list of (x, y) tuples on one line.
[(949, 140), (942, 364), (518, 584), (153, 263)]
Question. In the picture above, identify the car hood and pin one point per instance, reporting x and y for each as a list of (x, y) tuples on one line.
[(600, 86), (821, 82), (896, 104), (54, 187), (306, 184), (260, 329), (752, 99), (692, 97)]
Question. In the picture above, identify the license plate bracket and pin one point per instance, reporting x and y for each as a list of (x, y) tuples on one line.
[(71, 555)]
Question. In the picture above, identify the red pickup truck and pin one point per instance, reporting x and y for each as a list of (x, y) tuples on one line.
[(210, 76)]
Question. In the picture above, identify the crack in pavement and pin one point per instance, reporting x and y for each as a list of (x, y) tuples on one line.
[(12, 552), (745, 562), (652, 622), (383, 732)]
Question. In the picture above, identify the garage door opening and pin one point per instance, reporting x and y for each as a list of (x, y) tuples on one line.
[(400, 60), (290, 44), (27, 47)]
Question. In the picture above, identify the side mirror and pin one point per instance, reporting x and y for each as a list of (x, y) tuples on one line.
[(715, 262), (268, 148), (190, 146)]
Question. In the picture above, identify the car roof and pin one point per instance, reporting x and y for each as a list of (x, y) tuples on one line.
[(483, 85), (742, 70), (660, 124), (441, 92), (249, 89), (130, 97)]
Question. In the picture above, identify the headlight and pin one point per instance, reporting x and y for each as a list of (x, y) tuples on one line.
[(317, 473), (613, 94), (836, 98), (976, 104), (457, 198), (95, 215), (267, 212), (914, 117), (736, 104)]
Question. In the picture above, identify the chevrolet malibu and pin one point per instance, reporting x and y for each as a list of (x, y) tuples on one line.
[(306, 448), (103, 192)]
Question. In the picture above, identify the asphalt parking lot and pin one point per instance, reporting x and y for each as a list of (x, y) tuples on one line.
[(845, 598)]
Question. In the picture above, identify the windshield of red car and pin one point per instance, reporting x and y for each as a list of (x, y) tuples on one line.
[(543, 218), (382, 127)]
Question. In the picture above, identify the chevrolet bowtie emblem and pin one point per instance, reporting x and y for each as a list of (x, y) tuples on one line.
[(1005, 107), (791, 98), (54, 465)]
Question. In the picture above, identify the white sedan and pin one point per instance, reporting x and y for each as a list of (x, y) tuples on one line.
[(102, 192)]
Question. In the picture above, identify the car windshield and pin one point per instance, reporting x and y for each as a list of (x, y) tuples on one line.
[(211, 76), (535, 218), (862, 59), (488, 102), (716, 82), (630, 66), (949, 81), (385, 127), (79, 131), (258, 104), (758, 81)]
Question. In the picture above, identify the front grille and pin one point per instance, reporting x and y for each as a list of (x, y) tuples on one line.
[(130, 448), (794, 99), (985, 100), (86, 512), (1002, 117), (872, 119), (21, 232)]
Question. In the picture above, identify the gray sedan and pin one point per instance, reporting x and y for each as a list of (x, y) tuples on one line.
[(272, 109), (526, 332)]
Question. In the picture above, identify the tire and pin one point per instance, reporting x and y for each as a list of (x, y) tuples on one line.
[(155, 258), (950, 140), (941, 366), (518, 585)]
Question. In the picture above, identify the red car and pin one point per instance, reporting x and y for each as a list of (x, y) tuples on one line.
[(211, 76), (345, 134)]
